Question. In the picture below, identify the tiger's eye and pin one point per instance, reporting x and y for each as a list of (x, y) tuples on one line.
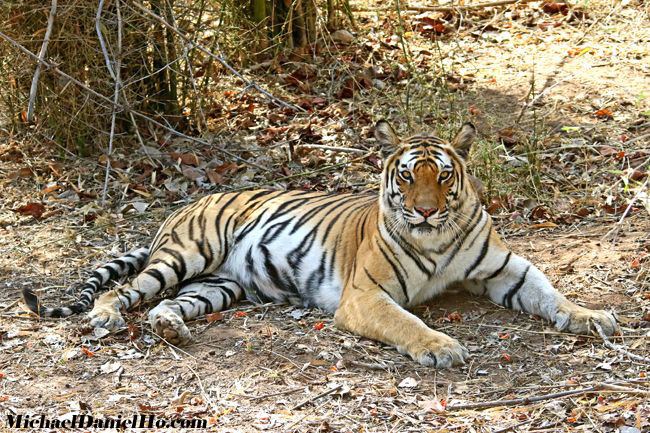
[(406, 175), (445, 175)]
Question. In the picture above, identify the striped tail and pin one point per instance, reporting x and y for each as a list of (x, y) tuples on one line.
[(124, 266)]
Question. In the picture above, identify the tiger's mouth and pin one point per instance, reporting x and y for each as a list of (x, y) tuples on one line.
[(427, 226)]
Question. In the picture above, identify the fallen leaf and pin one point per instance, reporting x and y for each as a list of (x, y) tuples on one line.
[(87, 352), (408, 382), (240, 314), (215, 177), (214, 317), (185, 158), (318, 326), (604, 113), (342, 37), (34, 209)]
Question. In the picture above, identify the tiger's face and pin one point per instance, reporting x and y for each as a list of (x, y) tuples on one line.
[(424, 178)]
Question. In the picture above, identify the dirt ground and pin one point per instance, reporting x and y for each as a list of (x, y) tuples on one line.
[(279, 368)]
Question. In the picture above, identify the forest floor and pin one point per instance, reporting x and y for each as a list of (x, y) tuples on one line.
[(565, 172)]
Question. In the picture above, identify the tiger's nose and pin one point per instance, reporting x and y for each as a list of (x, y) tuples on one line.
[(425, 211)]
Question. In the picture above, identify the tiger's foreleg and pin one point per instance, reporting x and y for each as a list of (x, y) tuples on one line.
[(200, 296), (514, 282), (373, 314)]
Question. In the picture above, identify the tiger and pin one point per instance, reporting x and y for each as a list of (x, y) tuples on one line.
[(365, 258)]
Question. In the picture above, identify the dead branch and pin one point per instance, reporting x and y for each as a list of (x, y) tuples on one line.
[(602, 387), (115, 74), (41, 55), (322, 394), (616, 347), (218, 58), (449, 8), (119, 106), (274, 394), (331, 148)]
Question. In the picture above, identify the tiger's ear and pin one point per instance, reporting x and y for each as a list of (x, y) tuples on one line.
[(385, 135), (464, 138)]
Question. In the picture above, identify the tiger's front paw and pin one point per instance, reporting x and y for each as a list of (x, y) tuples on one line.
[(436, 350), (579, 320)]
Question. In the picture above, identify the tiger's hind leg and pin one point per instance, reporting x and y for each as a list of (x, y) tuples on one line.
[(202, 295), (166, 268)]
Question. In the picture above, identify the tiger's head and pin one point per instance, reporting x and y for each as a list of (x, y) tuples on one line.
[(424, 182)]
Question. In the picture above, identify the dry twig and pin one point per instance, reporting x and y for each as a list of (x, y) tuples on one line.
[(602, 387), (119, 106), (322, 394), (618, 348), (114, 71), (41, 55), (451, 8), (218, 58)]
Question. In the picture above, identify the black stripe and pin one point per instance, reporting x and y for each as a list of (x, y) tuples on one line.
[(480, 257), (397, 273), (376, 283), (157, 275), (206, 301), (507, 298), (498, 271), (179, 268)]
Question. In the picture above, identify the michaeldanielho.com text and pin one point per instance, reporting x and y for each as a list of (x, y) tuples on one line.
[(89, 421)]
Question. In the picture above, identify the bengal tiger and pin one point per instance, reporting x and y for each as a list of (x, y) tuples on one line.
[(363, 257)]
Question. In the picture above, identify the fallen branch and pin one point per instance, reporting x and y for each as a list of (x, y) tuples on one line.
[(273, 394), (450, 8), (332, 148), (322, 394), (603, 387), (618, 348), (122, 107), (218, 58), (41, 55)]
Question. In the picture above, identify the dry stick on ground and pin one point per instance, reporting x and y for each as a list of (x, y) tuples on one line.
[(618, 348), (332, 148), (603, 387), (115, 74), (41, 55), (617, 227), (119, 106), (449, 8), (218, 58), (322, 394)]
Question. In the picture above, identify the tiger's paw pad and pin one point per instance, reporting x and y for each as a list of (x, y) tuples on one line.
[(107, 319), (580, 320), (170, 326), (439, 352)]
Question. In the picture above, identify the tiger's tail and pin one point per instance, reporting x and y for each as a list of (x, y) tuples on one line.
[(126, 265)]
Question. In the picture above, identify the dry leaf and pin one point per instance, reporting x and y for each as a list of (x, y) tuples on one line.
[(34, 209), (214, 317), (185, 158), (342, 37)]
